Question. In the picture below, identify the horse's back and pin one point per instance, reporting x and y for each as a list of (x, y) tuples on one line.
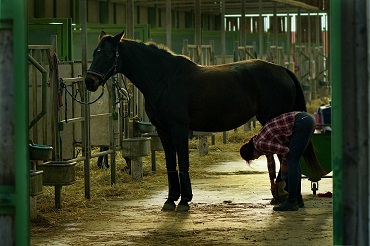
[(226, 96), (275, 88)]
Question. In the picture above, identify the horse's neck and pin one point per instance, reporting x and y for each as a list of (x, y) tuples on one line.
[(147, 69)]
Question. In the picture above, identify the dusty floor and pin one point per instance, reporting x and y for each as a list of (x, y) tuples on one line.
[(230, 207)]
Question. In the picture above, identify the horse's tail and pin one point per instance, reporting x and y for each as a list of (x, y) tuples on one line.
[(309, 155), (312, 163), (300, 102)]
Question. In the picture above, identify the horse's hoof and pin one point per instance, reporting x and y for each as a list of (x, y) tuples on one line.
[(169, 206), (183, 206)]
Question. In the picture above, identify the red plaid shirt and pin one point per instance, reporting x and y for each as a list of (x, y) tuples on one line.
[(273, 138)]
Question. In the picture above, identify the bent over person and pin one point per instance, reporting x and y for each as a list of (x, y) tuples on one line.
[(288, 135)]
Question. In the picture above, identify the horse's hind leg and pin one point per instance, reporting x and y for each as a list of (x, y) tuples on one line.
[(172, 174)]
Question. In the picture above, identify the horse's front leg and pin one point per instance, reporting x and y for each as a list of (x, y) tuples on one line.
[(182, 149), (172, 174)]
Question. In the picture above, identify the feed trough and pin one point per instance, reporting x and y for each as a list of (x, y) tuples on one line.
[(132, 150), (144, 127), (58, 172), (155, 141), (40, 152), (35, 182), (156, 145), (136, 147)]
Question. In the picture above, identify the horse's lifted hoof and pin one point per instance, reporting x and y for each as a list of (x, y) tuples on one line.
[(169, 206), (183, 206)]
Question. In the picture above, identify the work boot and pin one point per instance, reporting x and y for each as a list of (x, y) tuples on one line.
[(300, 201), (289, 205)]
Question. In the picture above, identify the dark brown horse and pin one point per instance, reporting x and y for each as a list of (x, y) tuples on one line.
[(181, 96)]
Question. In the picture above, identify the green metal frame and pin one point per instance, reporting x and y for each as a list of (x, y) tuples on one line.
[(337, 161), (62, 27), (15, 200)]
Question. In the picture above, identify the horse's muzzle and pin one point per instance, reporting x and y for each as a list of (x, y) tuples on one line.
[(91, 83)]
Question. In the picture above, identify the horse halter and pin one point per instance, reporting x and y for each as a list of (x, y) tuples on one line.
[(102, 76)]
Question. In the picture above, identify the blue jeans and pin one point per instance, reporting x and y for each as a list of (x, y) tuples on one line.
[(303, 128)]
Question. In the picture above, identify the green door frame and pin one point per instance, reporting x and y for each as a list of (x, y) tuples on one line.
[(336, 141), (15, 199)]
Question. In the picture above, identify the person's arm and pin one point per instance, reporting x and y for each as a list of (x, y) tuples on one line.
[(271, 166), (272, 173)]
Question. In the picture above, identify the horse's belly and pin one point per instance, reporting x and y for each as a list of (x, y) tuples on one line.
[(218, 122)]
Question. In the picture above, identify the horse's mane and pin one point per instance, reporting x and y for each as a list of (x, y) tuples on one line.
[(162, 48), (150, 44)]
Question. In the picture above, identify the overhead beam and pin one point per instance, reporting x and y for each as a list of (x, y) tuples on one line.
[(231, 7), (298, 5)]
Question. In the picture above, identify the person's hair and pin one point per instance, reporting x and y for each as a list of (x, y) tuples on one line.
[(247, 150)]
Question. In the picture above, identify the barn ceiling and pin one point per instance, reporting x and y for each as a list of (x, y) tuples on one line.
[(234, 6)]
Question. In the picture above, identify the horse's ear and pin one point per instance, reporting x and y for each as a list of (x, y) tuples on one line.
[(101, 35), (119, 37)]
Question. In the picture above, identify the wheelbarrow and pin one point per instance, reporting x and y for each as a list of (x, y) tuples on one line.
[(322, 144)]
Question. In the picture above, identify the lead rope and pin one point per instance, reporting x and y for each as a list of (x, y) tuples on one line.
[(122, 92), (64, 86)]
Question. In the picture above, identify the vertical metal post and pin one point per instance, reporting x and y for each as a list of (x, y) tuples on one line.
[(14, 157), (355, 71), (260, 28), (275, 29), (54, 114), (317, 29), (185, 50), (298, 28), (86, 148), (129, 33), (223, 44), (168, 24), (310, 80), (20, 88), (289, 34), (113, 123), (223, 32), (198, 30), (336, 140), (7, 145), (236, 52), (242, 25), (309, 34)]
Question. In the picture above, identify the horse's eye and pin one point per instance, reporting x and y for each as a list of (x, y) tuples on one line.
[(98, 50)]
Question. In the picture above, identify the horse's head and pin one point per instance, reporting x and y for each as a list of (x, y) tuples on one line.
[(104, 64)]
